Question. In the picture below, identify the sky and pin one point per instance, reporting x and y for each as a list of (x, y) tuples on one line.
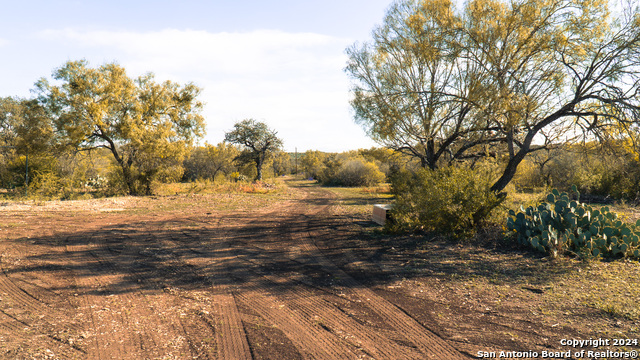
[(276, 61)]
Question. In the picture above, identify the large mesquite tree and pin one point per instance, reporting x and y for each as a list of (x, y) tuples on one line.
[(508, 76), (408, 85), (144, 124)]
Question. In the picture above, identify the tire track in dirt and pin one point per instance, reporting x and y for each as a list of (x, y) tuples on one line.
[(316, 326), (173, 285), (297, 293), (164, 318), (230, 335), (160, 323), (10, 323), (209, 262), (24, 312), (260, 293), (10, 291), (206, 260), (124, 320), (314, 342), (87, 302), (431, 345), (264, 293), (316, 311), (275, 304)]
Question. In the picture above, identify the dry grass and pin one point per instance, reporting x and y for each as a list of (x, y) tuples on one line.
[(168, 198), (358, 201), (269, 186), (491, 278)]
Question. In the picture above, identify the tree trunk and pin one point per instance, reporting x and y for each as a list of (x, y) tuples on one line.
[(425, 163), (128, 179), (124, 165), (428, 159), (512, 166), (431, 154), (147, 187), (126, 173), (509, 172), (259, 161)]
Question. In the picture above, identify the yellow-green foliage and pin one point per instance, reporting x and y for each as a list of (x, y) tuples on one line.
[(147, 126), (205, 162), (349, 171), (358, 172), (605, 169), (447, 200), (312, 163)]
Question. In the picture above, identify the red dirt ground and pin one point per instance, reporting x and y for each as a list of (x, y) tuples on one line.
[(205, 284), (210, 277)]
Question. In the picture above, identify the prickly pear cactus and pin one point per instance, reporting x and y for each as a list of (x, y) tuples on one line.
[(562, 224)]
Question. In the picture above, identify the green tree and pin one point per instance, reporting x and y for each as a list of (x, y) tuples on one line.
[(145, 125), (208, 161), (10, 119), (407, 82), (281, 163), (25, 131), (25, 125), (444, 85), (312, 163), (258, 141), (553, 68)]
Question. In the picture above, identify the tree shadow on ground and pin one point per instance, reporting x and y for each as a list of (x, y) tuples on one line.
[(194, 253), (488, 255)]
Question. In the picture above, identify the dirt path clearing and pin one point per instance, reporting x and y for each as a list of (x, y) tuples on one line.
[(194, 283)]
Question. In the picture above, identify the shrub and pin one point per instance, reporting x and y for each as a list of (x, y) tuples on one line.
[(450, 200), (328, 172), (312, 163), (45, 185), (115, 182), (351, 172), (560, 225), (360, 173), (236, 177), (611, 169), (357, 172)]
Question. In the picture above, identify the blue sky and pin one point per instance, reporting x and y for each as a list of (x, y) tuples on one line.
[(276, 61)]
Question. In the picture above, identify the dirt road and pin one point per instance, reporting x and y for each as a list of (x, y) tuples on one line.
[(197, 284)]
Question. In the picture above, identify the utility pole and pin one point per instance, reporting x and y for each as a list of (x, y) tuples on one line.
[(296, 161)]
